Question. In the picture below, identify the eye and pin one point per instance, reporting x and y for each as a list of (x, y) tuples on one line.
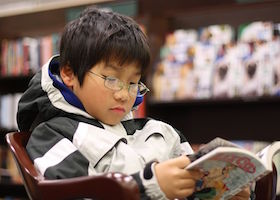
[(111, 79), (134, 86), (133, 83)]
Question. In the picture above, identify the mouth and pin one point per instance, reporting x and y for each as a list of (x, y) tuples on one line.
[(120, 110)]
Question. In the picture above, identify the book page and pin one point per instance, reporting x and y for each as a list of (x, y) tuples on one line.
[(276, 160), (226, 172), (210, 146), (268, 152)]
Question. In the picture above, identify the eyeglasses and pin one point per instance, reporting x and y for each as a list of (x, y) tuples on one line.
[(117, 85)]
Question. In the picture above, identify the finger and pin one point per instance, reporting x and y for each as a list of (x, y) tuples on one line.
[(195, 174), (185, 192), (186, 183), (191, 174), (244, 193), (182, 161), (237, 198)]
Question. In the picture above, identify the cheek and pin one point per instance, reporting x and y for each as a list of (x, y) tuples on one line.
[(87, 94), (94, 98), (132, 101)]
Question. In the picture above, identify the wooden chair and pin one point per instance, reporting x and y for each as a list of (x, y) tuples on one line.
[(108, 186), (101, 187)]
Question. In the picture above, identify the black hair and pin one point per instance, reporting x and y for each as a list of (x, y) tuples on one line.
[(99, 35)]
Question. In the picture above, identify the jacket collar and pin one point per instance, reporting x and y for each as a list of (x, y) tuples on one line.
[(68, 95)]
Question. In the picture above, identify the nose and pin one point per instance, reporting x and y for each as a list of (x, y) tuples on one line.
[(122, 95)]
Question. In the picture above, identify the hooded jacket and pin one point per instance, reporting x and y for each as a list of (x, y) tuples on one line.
[(67, 142)]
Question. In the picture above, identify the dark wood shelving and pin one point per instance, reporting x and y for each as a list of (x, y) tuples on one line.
[(234, 119), (217, 101), (9, 188), (13, 190), (14, 84), (2, 136)]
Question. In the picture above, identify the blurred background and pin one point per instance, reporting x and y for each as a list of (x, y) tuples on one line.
[(215, 67)]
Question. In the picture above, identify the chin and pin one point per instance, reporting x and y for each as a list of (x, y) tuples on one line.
[(112, 122)]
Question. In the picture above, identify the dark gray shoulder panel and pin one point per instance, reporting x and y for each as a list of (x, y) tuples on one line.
[(74, 165)]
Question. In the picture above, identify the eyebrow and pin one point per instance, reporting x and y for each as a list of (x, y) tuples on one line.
[(116, 67)]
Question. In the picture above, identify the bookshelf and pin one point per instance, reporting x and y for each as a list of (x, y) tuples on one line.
[(14, 190), (201, 120), (7, 186), (19, 84), (19, 7), (198, 13), (233, 119)]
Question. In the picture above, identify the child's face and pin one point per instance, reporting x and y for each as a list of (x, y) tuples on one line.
[(104, 104)]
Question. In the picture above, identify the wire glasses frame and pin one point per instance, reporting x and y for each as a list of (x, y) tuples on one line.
[(116, 84)]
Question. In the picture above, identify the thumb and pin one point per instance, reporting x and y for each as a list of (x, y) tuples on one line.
[(182, 161)]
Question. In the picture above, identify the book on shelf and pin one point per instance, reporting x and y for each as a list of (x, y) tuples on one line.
[(228, 168), (8, 169), (26, 55), (214, 62), (8, 110)]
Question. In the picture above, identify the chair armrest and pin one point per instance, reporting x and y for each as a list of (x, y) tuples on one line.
[(105, 186)]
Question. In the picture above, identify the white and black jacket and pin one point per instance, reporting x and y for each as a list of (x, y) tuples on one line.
[(67, 142)]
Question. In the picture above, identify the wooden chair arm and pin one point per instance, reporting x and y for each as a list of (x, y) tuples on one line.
[(106, 186)]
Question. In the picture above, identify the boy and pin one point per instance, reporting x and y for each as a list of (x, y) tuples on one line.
[(78, 108)]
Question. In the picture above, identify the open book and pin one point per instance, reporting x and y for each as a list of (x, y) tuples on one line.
[(228, 168)]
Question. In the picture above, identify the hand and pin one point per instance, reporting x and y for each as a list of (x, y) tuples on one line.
[(174, 180), (243, 195)]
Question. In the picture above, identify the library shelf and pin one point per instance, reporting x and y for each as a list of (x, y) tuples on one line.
[(236, 119), (12, 190), (14, 84)]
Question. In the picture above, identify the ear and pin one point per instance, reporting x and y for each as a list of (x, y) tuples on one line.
[(67, 76)]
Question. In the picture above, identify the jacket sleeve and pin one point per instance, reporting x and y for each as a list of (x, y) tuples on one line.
[(54, 155)]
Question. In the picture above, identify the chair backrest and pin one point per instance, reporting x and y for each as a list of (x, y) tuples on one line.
[(107, 186)]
